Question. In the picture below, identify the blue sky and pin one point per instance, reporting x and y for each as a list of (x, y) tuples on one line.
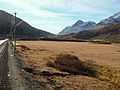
[(54, 15)]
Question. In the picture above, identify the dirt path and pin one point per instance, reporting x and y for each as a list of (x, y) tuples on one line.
[(18, 77)]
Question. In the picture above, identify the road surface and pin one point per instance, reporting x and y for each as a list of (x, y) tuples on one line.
[(4, 72)]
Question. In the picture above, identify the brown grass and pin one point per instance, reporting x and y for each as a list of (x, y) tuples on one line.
[(75, 55), (71, 64), (102, 54)]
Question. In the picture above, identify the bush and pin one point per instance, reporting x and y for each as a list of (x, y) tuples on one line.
[(71, 64), (23, 47)]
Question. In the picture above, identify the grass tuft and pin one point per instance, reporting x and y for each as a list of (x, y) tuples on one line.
[(71, 64)]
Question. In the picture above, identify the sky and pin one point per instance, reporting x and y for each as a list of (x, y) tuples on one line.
[(54, 15)]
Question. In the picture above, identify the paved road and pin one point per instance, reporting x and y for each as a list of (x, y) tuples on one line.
[(4, 72)]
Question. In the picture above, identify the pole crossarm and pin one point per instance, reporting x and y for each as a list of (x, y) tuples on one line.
[(17, 25)]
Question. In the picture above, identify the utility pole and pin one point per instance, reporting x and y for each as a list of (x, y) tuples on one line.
[(14, 34)]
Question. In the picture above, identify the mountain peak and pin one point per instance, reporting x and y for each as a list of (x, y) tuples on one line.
[(78, 23), (2, 11), (4, 14), (77, 27)]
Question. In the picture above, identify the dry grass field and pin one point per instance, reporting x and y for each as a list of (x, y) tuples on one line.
[(43, 61)]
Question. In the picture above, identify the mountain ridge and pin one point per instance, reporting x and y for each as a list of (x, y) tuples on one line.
[(77, 27), (24, 30), (114, 19), (106, 34)]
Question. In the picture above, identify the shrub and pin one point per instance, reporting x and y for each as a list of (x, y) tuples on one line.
[(71, 64)]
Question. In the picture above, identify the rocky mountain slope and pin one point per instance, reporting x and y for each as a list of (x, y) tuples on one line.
[(24, 30), (108, 33), (112, 20), (77, 27)]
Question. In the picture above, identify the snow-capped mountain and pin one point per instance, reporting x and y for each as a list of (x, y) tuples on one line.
[(115, 19), (77, 27), (81, 26)]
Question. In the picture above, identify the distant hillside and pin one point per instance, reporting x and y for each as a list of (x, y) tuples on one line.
[(22, 31), (77, 27), (110, 33), (112, 20), (82, 26)]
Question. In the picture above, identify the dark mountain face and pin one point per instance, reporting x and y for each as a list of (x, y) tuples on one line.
[(24, 30), (77, 27)]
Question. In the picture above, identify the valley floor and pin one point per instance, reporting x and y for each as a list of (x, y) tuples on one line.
[(105, 58)]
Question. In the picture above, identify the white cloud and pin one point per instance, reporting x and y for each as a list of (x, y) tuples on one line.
[(32, 11)]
